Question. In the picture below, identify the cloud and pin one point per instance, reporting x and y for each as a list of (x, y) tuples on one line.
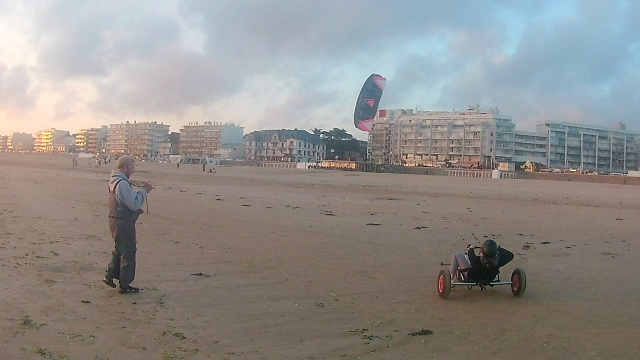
[(296, 110), (70, 102), (16, 94), (332, 29), (82, 39), (572, 69), (291, 63), (168, 82)]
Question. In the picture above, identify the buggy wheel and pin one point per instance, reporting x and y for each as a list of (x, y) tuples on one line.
[(518, 282), (444, 283)]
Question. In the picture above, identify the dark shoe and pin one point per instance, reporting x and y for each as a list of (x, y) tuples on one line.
[(109, 281), (129, 290)]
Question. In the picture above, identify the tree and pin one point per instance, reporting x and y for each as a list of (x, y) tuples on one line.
[(338, 142), (336, 134)]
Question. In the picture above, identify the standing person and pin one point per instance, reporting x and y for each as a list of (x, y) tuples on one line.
[(125, 206), (204, 164)]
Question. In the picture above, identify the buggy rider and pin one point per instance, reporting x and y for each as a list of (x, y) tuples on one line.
[(481, 268)]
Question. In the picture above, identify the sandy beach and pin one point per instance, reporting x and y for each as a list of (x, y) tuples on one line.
[(256, 263)]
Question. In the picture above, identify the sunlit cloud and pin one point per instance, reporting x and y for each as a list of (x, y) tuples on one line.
[(288, 63)]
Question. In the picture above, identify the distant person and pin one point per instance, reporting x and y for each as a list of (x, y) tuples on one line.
[(125, 206), (178, 164), (204, 165)]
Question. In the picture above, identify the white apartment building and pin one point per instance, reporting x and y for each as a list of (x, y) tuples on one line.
[(530, 146), (52, 140), (139, 139), (486, 137), (204, 140), (18, 142), (482, 137), (43, 139), (284, 145), (91, 140), (587, 147)]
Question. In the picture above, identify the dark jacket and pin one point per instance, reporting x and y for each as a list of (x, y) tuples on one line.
[(485, 273)]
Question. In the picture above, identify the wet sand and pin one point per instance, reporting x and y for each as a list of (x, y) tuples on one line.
[(313, 264)]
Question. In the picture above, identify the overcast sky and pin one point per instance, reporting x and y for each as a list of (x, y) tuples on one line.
[(297, 63)]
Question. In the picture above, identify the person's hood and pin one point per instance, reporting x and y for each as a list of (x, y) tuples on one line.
[(116, 176)]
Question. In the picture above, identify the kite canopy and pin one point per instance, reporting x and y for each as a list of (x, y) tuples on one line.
[(368, 101)]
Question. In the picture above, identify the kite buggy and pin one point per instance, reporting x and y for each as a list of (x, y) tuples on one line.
[(481, 270)]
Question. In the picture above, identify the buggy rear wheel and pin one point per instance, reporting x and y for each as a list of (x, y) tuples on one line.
[(444, 283), (518, 282)]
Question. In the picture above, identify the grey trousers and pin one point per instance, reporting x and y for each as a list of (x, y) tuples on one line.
[(123, 258), (459, 261)]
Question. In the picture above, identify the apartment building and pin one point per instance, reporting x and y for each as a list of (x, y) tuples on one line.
[(204, 140), (53, 141), (379, 149), (487, 138), (3, 143), (170, 145), (530, 146), (482, 137), (231, 152), (65, 144), (284, 145), (43, 139), (139, 139), (587, 147), (18, 142), (92, 141)]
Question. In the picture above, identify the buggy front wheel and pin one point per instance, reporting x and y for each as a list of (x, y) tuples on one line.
[(444, 283), (518, 282)]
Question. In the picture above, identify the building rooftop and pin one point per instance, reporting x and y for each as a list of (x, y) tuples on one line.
[(531, 133), (595, 127), (289, 134)]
